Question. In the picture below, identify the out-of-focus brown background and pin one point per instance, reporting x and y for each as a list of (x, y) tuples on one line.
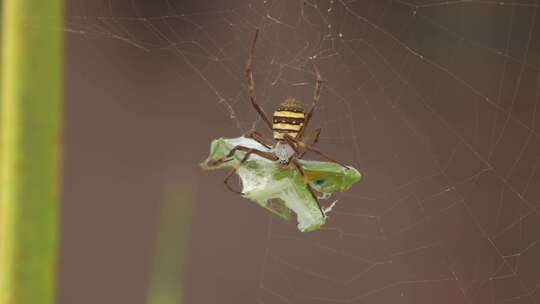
[(434, 102)]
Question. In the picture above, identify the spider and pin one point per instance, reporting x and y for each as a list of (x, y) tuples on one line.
[(288, 127)]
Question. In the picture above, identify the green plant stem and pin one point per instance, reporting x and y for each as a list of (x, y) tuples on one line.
[(167, 284), (30, 123)]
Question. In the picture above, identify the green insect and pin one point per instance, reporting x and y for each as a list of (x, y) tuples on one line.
[(282, 189)]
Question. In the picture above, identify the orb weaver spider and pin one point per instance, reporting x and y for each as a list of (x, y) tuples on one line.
[(288, 125)]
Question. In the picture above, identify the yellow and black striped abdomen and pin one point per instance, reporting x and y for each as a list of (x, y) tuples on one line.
[(287, 122)]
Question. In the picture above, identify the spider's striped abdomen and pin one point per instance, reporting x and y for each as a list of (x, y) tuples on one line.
[(288, 119)]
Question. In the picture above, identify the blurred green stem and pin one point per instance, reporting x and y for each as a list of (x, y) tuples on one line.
[(30, 122), (167, 281)]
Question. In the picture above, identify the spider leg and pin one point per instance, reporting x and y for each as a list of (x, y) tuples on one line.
[(292, 142), (227, 157), (308, 186), (319, 152), (316, 98), (315, 140), (249, 152), (261, 139), (316, 133), (230, 174), (251, 83)]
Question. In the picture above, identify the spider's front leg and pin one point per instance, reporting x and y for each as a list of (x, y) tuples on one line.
[(251, 83), (261, 139), (316, 99)]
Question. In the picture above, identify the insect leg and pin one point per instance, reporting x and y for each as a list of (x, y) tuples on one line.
[(308, 186)]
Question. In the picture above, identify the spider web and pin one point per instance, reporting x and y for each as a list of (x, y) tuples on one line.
[(435, 102)]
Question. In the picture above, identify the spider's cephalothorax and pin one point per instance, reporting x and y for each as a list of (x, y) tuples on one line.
[(288, 119)]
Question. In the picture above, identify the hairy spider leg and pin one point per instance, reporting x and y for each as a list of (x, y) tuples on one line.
[(308, 186), (269, 143), (230, 174), (316, 98), (249, 152), (295, 143), (316, 135), (314, 141), (292, 142), (251, 83), (227, 157), (246, 157), (324, 155)]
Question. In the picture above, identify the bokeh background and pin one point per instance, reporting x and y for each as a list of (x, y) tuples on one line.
[(435, 102)]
